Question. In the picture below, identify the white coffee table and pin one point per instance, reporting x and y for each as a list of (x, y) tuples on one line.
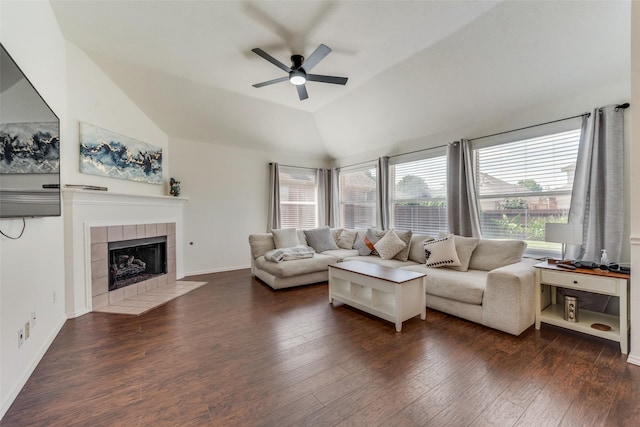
[(389, 293)]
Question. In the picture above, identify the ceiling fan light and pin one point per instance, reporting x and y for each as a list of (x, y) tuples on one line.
[(297, 77)]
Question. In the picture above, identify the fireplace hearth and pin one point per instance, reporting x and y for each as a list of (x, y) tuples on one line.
[(137, 260)]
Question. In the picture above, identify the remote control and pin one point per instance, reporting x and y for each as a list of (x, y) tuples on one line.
[(566, 266)]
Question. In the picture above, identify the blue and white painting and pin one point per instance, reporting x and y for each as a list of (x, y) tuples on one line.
[(106, 153), (29, 148)]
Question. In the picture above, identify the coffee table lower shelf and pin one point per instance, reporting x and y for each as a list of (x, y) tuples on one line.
[(387, 293)]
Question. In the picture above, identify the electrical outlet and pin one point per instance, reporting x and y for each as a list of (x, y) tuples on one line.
[(33, 319), (20, 337), (27, 330)]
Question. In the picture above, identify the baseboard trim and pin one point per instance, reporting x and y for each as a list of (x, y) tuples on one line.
[(217, 270), (634, 360), (18, 388)]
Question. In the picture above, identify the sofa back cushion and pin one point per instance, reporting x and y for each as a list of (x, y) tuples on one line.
[(492, 254), (416, 251), (464, 249), (261, 243), (285, 237)]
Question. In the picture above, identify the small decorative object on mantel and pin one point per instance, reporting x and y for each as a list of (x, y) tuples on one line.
[(601, 327), (175, 187)]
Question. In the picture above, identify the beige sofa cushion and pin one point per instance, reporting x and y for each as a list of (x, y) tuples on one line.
[(464, 249), (261, 243), (285, 238), (341, 254), (492, 254), (319, 262), (416, 251), (464, 286)]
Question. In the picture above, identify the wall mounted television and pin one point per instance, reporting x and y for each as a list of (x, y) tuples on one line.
[(29, 147)]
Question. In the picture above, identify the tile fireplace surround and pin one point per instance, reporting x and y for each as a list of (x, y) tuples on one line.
[(100, 239), (92, 219)]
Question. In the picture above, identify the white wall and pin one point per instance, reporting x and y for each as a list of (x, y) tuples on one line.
[(32, 268), (227, 189), (634, 354), (95, 99)]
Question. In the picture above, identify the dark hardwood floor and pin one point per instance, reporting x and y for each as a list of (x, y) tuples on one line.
[(236, 353)]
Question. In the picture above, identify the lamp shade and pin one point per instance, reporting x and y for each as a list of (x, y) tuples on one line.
[(569, 234)]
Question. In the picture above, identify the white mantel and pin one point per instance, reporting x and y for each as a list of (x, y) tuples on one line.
[(83, 209)]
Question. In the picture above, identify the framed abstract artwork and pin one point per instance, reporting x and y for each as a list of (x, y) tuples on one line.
[(29, 148), (109, 154)]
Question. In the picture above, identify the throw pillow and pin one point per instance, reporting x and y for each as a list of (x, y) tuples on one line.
[(346, 239), (405, 236), (365, 245), (285, 237), (464, 249), (389, 245), (320, 239), (441, 252)]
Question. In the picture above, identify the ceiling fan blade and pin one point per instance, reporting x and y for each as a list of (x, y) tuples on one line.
[(271, 59), (302, 92), (317, 56), (270, 82), (327, 79)]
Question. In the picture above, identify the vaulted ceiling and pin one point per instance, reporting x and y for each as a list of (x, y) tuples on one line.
[(415, 68)]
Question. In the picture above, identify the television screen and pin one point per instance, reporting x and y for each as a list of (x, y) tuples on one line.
[(29, 147)]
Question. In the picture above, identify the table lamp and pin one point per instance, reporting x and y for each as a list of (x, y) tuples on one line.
[(567, 234)]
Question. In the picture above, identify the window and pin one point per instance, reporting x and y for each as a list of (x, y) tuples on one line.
[(522, 185), (418, 195), (358, 197), (298, 198)]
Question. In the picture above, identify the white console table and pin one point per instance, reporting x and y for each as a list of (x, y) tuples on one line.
[(548, 310), (389, 293)]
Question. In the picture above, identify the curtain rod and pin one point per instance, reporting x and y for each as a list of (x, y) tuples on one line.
[(359, 163), (618, 107), (532, 126), (395, 155), (292, 166), (418, 151)]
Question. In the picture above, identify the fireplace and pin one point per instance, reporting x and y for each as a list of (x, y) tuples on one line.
[(133, 261), (129, 260)]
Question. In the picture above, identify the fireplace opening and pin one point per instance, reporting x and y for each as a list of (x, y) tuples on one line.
[(132, 261)]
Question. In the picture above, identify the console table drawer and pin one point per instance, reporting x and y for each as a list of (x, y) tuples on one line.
[(601, 285)]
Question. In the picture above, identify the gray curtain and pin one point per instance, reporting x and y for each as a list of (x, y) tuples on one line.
[(382, 193), (273, 215), (462, 203), (598, 188), (324, 178), (334, 203)]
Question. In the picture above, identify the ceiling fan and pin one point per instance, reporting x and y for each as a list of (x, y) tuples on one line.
[(298, 71)]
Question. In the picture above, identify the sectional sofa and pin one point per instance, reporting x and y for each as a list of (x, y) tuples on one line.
[(492, 284)]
